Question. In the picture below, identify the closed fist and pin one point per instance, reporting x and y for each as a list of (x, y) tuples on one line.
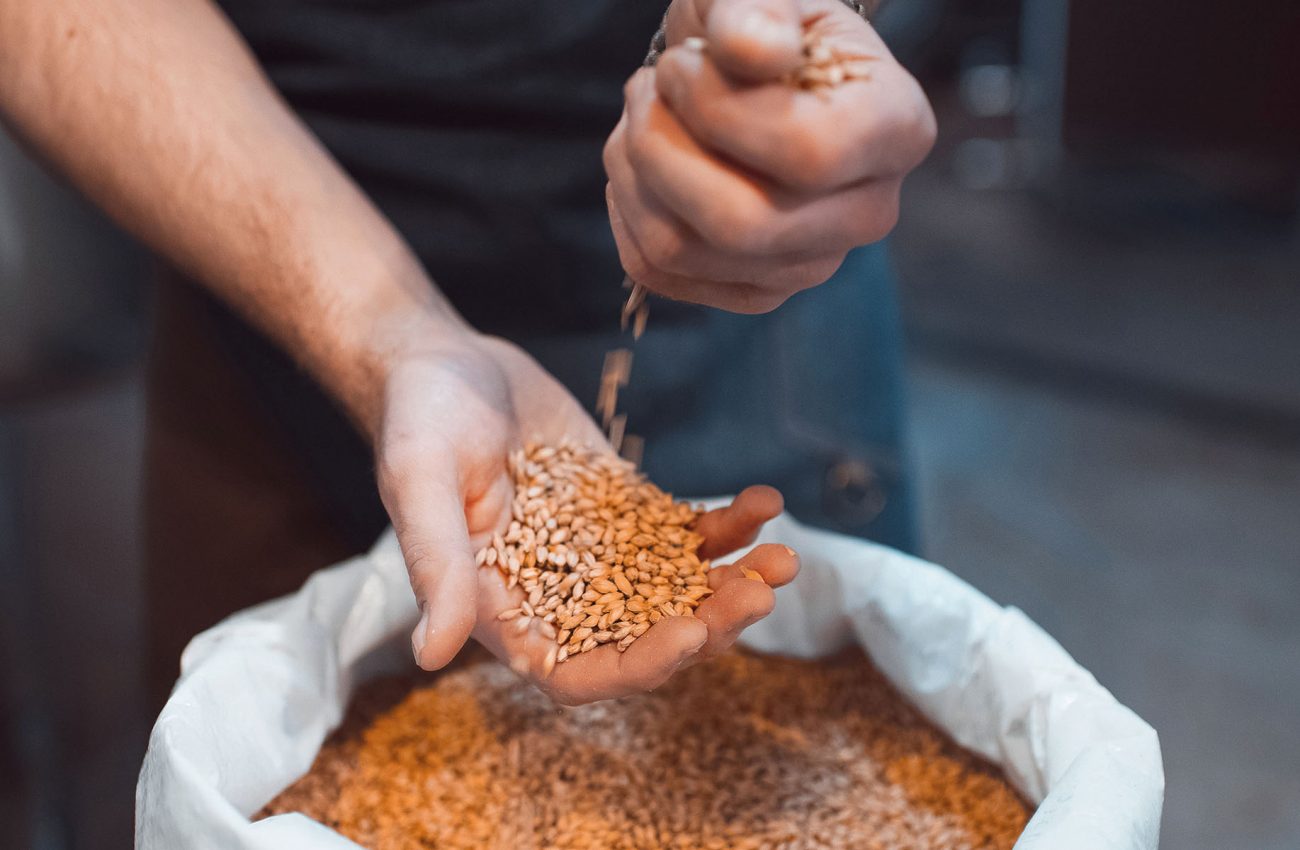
[(733, 187)]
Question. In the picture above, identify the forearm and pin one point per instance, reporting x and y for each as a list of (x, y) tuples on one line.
[(158, 112)]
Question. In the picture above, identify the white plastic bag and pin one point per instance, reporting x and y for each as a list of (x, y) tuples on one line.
[(260, 691)]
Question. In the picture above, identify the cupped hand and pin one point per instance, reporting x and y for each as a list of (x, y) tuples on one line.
[(731, 187), (451, 417), (742, 595)]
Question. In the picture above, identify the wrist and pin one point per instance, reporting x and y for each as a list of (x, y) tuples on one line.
[(357, 344), (399, 339)]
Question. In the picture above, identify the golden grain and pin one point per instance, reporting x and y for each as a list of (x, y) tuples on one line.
[(741, 753), (595, 546)]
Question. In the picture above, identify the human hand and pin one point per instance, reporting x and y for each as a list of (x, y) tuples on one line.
[(742, 595), (731, 187), (451, 416)]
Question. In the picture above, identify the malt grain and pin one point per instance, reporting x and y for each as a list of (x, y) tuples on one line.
[(742, 752), (596, 548)]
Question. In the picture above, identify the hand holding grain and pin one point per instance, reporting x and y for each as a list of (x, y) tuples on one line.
[(451, 419), (610, 586), (729, 185)]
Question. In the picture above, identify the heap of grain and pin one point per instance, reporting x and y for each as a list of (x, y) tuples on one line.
[(741, 753), (600, 553)]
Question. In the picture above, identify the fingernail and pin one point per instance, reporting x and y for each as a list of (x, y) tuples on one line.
[(420, 636), (789, 552)]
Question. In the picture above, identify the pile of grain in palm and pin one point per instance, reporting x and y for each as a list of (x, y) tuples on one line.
[(740, 753), (600, 552)]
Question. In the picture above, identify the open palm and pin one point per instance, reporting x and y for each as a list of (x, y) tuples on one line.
[(452, 417)]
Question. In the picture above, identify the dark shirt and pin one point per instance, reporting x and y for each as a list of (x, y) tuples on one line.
[(477, 127)]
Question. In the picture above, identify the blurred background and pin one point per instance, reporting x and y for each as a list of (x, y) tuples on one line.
[(1100, 266)]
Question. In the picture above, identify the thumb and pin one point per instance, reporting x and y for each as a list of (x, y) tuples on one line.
[(757, 40), (428, 515)]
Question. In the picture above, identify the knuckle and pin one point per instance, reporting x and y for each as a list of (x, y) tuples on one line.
[(912, 135), (397, 455), (806, 277), (609, 152), (889, 219), (871, 215), (663, 257), (823, 270), (615, 144), (819, 162), (796, 276), (754, 301), (926, 126), (919, 117), (637, 146), (737, 228), (711, 117), (908, 130), (405, 458), (630, 88), (421, 561), (879, 220), (634, 263), (772, 301), (611, 205), (667, 251)]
